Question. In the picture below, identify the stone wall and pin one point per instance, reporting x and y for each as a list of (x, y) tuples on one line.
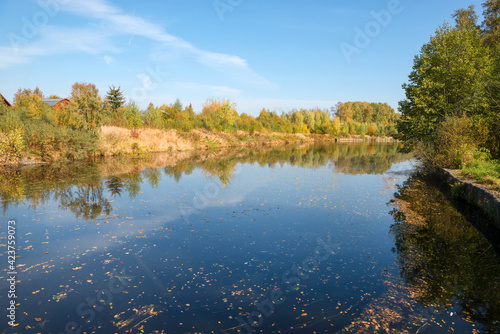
[(476, 194)]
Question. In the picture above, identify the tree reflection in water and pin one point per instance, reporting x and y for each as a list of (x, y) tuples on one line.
[(445, 261), (87, 190)]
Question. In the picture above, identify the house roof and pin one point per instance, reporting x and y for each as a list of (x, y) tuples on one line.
[(5, 100), (53, 102)]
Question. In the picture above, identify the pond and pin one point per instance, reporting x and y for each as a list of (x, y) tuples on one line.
[(292, 239)]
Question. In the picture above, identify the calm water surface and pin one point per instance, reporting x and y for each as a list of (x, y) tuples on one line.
[(284, 240)]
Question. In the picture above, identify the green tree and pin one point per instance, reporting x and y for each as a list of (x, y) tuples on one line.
[(115, 98), (177, 105), (491, 33), (88, 103), (219, 114), (27, 99), (133, 116), (491, 23), (449, 77), (153, 117)]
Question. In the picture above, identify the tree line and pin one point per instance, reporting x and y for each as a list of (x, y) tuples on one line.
[(72, 130)]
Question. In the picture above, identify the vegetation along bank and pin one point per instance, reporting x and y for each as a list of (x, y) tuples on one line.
[(39, 128), (451, 114)]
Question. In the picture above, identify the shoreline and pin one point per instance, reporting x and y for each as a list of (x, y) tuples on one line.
[(123, 142)]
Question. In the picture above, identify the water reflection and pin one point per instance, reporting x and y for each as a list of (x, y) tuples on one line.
[(141, 266), (444, 260), (87, 190)]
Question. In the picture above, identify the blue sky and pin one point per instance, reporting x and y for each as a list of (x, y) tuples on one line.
[(277, 55)]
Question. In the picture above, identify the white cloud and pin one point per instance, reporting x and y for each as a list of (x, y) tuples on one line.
[(54, 40), (123, 23), (105, 22)]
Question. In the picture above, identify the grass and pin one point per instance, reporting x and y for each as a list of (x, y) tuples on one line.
[(485, 172)]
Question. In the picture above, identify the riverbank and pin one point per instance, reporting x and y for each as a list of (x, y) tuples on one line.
[(480, 195), (118, 141)]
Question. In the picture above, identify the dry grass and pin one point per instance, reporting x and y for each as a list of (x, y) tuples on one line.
[(116, 141)]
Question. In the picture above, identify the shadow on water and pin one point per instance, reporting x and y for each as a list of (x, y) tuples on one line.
[(446, 263), (88, 190)]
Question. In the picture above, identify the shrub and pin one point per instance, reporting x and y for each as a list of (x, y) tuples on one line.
[(372, 129), (46, 139), (133, 116), (134, 134), (11, 145), (154, 118), (456, 143)]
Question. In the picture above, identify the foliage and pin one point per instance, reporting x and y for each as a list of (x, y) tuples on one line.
[(457, 142), (30, 100), (449, 77), (114, 98), (491, 33), (11, 145), (219, 115), (153, 117), (53, 133), (133, 116), (175, 117), (451, 112), (88, 103), (72, 130), (364, 112), (491, 23)]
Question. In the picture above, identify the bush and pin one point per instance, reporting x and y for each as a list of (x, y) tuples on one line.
[(456, 143), (372, 129), (48, 140), (154, 118), (133, 116), (11, 145)]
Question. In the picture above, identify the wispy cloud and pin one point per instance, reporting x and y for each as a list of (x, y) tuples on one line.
[(107, 21), (122, 23), (52, 40)]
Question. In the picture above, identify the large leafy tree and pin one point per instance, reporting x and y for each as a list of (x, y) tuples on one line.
[(86, 99), (491, 23), (449, 77), (491, 32), (30, 100), (114, 98), (219, 114)]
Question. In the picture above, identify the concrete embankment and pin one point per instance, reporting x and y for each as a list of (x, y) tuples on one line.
[(476, 194)]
